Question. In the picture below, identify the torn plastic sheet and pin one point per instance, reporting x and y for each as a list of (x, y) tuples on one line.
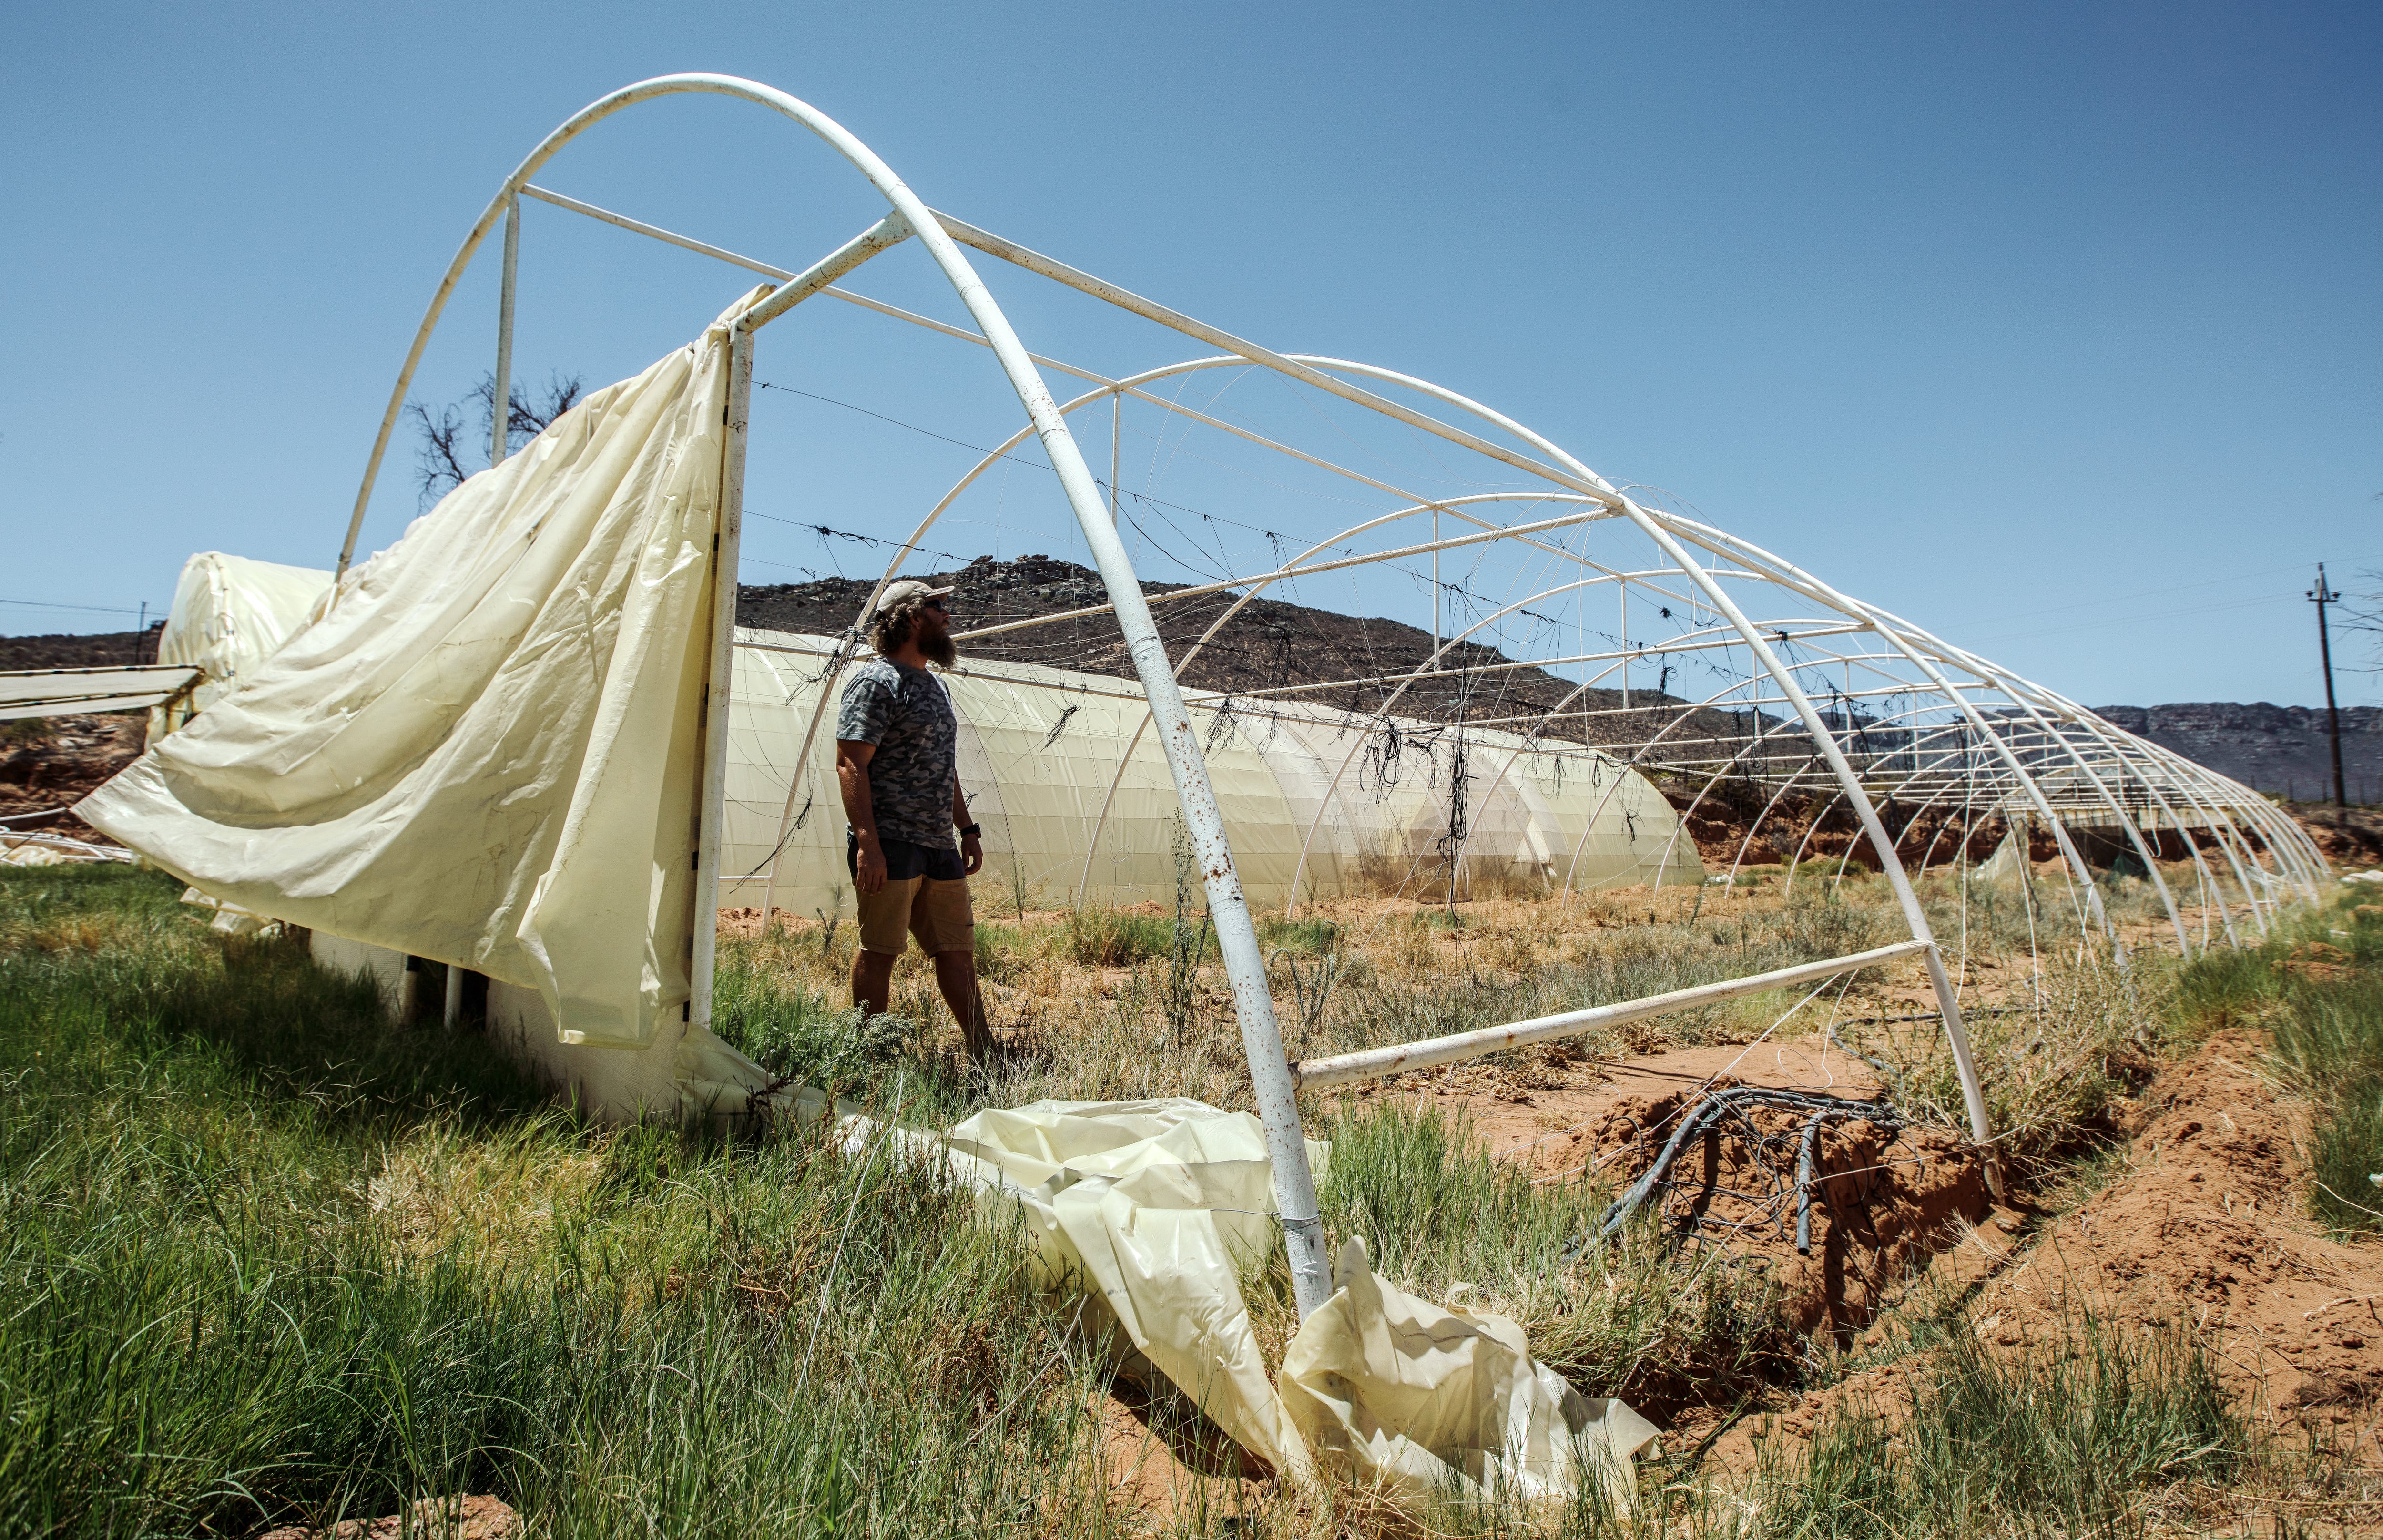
[(1400, 1388), (1158, 1210), (483, 749)]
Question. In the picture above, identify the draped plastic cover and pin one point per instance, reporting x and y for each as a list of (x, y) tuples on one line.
[(1155, 1211), (484, 753), (1040, 750), (230, 615)]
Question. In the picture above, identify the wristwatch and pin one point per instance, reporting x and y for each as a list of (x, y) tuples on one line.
[(973, 831)]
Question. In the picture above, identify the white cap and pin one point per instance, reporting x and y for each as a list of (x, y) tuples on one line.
[(903, 592)]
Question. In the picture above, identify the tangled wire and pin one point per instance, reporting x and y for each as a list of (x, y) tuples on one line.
[(1775, 1156)]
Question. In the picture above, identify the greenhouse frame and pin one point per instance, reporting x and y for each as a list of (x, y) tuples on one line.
[(1915, 751)]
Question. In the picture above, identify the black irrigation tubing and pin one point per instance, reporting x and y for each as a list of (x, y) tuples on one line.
[(1731, 1101), (1966, 1011)]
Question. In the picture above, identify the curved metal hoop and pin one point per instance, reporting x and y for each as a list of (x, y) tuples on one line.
[(2087, 749)]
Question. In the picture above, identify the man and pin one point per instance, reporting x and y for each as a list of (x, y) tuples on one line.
[(895, 764)]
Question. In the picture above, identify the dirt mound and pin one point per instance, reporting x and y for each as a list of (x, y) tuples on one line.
[(2207, 1229), (1885, 1198), (474, 1518), (2203, 1230), (2354, 840)]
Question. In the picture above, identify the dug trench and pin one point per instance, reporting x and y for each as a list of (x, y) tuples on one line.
[(2199, 1228), (1883, 1201)]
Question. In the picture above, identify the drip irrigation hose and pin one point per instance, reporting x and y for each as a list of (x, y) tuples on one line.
[(1732, 1101), (1809, 1153)]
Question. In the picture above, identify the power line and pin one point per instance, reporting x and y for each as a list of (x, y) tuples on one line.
[(790, 390), (92, 609), (825, 532)]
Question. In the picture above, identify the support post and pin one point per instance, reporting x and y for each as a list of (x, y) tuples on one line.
[(501, 399), (711, 799), (2323, 596), (453, 1016)]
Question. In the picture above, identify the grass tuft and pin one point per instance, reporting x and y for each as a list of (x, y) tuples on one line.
[(2066, 1438)]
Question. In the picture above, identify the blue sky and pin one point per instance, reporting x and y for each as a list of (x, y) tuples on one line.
[(2055, 328)]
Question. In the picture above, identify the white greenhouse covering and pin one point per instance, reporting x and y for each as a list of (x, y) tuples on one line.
[(1038, 748), (231, 614), (484, 753)]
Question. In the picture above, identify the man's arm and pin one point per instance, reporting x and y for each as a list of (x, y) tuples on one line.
[(852, 756), (971, 845)]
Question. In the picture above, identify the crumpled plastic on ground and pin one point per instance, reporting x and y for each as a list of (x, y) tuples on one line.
[(1157, 1210), (1397, 1388)]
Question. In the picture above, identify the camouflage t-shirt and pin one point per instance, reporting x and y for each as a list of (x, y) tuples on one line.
[(905, 713)]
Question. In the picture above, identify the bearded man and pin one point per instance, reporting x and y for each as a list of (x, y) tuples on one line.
[(896, 766)]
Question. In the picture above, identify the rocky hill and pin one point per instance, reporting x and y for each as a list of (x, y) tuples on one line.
[(95, 649), (1267, 645), (2270, 748)]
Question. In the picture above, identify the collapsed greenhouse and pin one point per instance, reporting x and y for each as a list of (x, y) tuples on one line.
[(499, 748)]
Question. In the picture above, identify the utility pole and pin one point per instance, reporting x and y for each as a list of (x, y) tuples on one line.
[(2322, 596)]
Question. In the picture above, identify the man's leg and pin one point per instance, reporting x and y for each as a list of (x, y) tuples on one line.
[(945, 925), (955, 976), (873, 981)]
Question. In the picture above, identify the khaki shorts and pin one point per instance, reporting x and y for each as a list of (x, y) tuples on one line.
[(937, 913)]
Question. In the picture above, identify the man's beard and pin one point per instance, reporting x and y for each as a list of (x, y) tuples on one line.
[(939, 652)]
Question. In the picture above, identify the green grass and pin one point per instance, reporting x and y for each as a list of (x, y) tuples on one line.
[(267, 1260), (2072, 1437), (1110, 938), (1299, 935), (1437, 1211), (2320, 991)]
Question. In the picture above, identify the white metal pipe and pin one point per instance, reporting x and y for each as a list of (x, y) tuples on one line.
[(1237, 934), (887, 233), (639, 227), (713, 804), (2020, 692), (501, 399), (452, 1014), (1399, 1058), (1948, 1004)]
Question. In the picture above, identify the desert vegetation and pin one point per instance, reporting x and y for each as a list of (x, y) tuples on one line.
[(271, 1259)]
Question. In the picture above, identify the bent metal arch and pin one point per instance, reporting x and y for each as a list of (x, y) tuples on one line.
[(1958, 731)]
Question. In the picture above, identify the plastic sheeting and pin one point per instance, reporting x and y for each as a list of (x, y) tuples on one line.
[(1040, 750), (231, 614), (484, 753), (2008, 863), (1397, 1388), (1155, 1211)]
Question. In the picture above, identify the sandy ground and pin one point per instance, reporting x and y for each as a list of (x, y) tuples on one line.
[(2201, 1227)]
